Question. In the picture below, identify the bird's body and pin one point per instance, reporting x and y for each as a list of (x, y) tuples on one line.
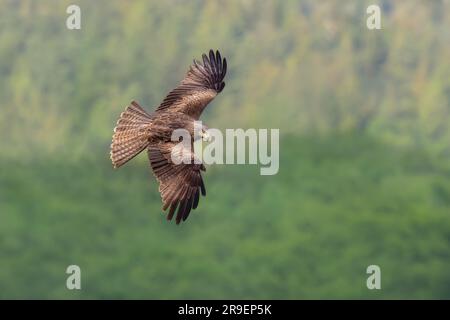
[(163, 123), (137, 130)]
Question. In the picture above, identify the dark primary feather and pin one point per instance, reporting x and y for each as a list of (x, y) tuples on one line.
[(180, 185), (202, 83)]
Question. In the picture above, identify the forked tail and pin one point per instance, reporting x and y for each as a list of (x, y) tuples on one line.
[(130, 134)]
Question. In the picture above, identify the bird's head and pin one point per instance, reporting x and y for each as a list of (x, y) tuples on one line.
[(205, 134)]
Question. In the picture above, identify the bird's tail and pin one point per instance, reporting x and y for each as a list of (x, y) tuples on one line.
[(130, 134)]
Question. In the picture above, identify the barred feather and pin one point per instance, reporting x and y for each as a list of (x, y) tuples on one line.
[(130, 135)]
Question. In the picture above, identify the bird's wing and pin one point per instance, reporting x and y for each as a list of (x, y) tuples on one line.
[(202, 83), (180, 185)]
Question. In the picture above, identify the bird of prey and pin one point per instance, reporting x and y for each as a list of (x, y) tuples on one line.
[(180, 184)]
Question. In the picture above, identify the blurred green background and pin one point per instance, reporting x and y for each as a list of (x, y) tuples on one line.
[(364, 118)]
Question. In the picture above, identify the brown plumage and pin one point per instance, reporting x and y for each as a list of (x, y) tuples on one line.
[(180, 185)]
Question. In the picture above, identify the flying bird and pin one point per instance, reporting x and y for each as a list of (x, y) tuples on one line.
[(180, 184)]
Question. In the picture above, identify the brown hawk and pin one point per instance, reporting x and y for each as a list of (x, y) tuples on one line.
[(180, 184)]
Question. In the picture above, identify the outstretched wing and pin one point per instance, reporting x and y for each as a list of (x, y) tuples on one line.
[(180, 185), (201, 84)]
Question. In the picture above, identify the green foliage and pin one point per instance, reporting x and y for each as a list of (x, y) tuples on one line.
[(364, 176), (303, 66), (337, 206)]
